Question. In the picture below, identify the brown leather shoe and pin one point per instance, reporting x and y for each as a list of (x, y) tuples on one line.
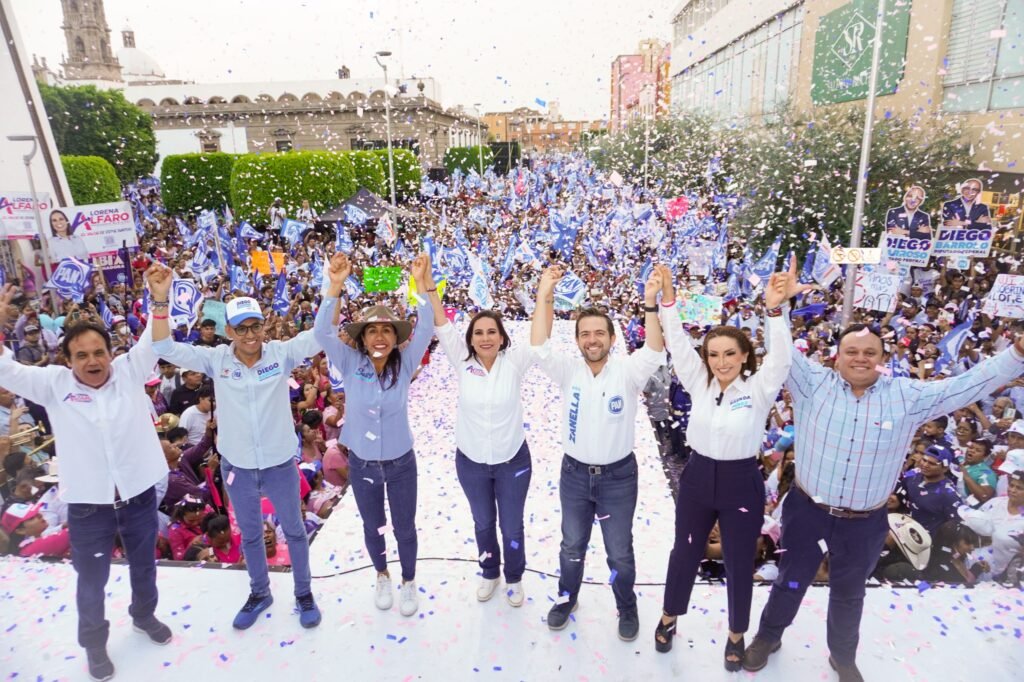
[(756, 655), (847, 673)]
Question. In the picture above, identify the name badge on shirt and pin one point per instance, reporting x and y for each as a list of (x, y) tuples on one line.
[(77, 398), (272, 370), (475, 371), (740, 403)]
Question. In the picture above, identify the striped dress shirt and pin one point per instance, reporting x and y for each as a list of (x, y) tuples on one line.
[(849, 450)]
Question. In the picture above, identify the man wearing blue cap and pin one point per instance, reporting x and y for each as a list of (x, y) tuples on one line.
[(927, 491), (257, 439)]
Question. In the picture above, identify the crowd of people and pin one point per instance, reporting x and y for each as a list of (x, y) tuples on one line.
[(892, 448)]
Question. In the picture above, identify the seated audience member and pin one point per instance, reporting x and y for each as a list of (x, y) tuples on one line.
[(1002, 520), (225, 542), (30, 535), (311, 441), (927, 492), (185, 528), (950, 561), (195, 417), (335, 464), (186, 476), (977, 482)]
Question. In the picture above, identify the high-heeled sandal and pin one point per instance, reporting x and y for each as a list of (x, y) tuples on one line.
[(663, 635), (734, 649)]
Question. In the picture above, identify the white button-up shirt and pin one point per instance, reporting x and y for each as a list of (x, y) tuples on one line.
[(599, 412), (104, 436), (734, 428), (254, 416), (489, 428)]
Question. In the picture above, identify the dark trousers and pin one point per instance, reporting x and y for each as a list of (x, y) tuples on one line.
[(732, 493), (604, 496), (497, 496), (853, 548), (370, 480), (92, 529)]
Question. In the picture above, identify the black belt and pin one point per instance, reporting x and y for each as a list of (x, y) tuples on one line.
[(596, 470), (840, 512)]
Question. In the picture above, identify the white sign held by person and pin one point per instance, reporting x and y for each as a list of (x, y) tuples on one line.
[(17, 216), (1006, 299), (876, 290), (85, 231)]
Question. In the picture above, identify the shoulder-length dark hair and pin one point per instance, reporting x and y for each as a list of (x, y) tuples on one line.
[(489, 314), (741, 339), (393, 366)]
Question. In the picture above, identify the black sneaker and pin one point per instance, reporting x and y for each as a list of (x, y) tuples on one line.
[(629, 624), (157, 631), (100, 666), (309, 614), (558, 616)]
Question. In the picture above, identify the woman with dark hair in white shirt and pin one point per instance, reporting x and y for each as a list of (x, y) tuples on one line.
[(492, 458), (722, 480)]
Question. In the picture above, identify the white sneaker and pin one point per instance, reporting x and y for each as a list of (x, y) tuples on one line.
[(486, 589), (514, 594), (407, 600), (385, 596)]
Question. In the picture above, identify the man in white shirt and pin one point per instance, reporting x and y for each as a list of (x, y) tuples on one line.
[(110, 460), (277, 215), (599, 470), (195, 418)]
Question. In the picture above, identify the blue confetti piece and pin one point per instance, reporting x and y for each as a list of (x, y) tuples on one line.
[(922, 586), (613, 576), (793, 585), (392, 637), (224, 658), (515, 545)]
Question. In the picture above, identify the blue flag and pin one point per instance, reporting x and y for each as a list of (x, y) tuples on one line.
[(239, 281), (292, 230), (353, 288), (70, 278), (185, 299), (807, 271), (510, 258), (950, 344), (355, 215), (645, 273), (765, 265), (337, 380), (281, 303), (316, 271), (247, 231), (343, 242), (569, 292), (105, 314)]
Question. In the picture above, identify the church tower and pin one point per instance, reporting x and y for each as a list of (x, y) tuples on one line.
[(90, 56)]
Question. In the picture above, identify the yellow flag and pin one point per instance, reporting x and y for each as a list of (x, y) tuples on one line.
[(413, 291)]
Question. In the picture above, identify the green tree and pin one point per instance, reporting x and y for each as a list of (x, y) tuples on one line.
[(92, 180), (370, 173), (799, 173), (192, 182), (324, 178), (91, 122), (408, 172), (467, 159)]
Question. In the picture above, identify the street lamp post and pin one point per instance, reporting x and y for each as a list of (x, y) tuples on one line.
[(862, 171), (387, 116), (479, 139), (27, 158)]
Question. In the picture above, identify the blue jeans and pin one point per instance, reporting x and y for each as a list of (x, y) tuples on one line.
[(369, 480), (279, 484), (92, 529), (598, 495), (497, 493)]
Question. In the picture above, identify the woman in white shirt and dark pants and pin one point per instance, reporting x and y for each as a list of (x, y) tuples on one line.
[(492, 458), (722, 480)]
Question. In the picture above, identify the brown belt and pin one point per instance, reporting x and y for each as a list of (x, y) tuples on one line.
[(840, 512)]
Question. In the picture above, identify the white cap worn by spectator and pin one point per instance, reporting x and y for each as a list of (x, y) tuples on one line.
[(240, 309), (1017, 427)]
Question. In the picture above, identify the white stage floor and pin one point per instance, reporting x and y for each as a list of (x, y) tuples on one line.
[(940, 634)]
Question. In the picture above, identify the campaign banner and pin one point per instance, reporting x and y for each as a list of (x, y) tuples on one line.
[(965, 242), (112, 267), (699, 309), (1006, 299), (906, 251), (876, 290), (87, 231), (18, 217)]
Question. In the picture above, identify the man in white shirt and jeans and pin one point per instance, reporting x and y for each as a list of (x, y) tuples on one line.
[(599, 470), (111, 459)]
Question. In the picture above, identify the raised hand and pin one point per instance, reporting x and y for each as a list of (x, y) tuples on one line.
[(159, 277), (549, 279), (668, 289), (775, 291), (420, 269), (793, 286), (339, 269), (7, 294), (653, 285)]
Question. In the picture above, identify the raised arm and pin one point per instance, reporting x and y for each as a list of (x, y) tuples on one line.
[(426, 287), (779, 358), (937, 398), (652, 326), (544, 312), (159, 278), (685, 358), (424, 330), (324, 328), (26, 381)]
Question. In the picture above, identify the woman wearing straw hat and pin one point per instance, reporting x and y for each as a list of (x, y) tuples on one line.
[(377, 375), (492, 459)]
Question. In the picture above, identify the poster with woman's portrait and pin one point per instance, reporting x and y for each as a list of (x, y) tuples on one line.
[(88, 231)]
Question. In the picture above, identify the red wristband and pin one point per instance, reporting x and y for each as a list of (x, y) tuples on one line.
[(158, 317), (668, 304)]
